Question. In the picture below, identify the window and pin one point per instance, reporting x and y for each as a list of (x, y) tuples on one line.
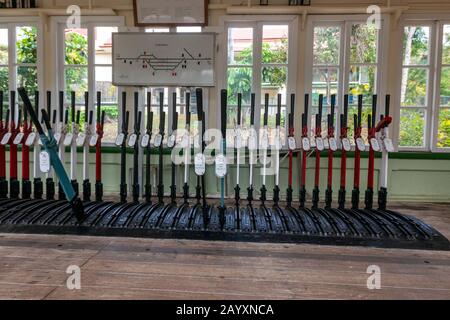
[(345, 55), (415, 102), (258, 58), (19, 59), (442, 140), (87, 65)]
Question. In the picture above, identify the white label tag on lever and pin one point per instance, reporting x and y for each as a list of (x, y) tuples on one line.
[(30, 139), (80, 140), (68, 139), (360, 144), (374, 144), (291, 143), (332, 144), (158, 140), (252, 143), (18, 138), (171, 141), (145, 140), (44, 161), (132, 140), (6, 138), (57, 137), (306, 145), (388, 145), (185, 141), (93, 140), (119, 139), (199, 164), (346, 144), (319, 144), (221, 166)]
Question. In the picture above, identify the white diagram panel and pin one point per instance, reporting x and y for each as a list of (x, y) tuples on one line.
[(163, 59)]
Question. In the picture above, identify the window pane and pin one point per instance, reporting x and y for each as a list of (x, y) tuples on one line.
[(414, 87), (27, 78), (412, 124), (362, 81), (103, 83), (3, 46), (416, 45), (240, 46), (26, 44), (275, 44), (326, 45), (273, 82), (445, 86), (4, 83), (76, 80), (363, 43), (239, 81), (103, 44), (443, 138), (446, 45), (325, 81), (189, 29), (76, 46)]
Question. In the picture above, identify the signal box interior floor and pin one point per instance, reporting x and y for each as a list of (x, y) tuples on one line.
[(34, 267)]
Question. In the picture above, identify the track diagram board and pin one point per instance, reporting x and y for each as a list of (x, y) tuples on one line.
[(163, 59)]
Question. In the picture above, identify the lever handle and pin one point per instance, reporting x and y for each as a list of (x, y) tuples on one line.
[(345, 118), (278, 117), (91, 115), (72, 106), (374, 109), (387, 102), (54, 116), (223, 107), (199, 96), (174, 111), (86, 107), (320, 106), (360, 102), (266, 109), (13, 105), (124, 107), (188, 105), (239, 108), (306, 106), (252, 109), (77, 121), (61, 106), (291, 118)]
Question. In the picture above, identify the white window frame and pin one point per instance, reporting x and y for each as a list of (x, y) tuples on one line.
[(10, 24), (59, 23), (437, 94), (257, 22), (429, 107), (345, 22)]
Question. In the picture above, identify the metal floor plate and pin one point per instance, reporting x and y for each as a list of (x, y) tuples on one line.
[(387, 229)]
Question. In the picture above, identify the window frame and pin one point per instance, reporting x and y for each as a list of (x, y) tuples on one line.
[(11, 23), (257, 22), (345, 22), (89, 23), (429, 107)]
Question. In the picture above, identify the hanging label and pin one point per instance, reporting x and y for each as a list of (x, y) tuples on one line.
[(93, 140), (30, 139), (132, 140), (171, 141), (18, 138), (57, 137), (221, 165), (360, 144), (68, 139), (238, 141), (346, 144), (277, 142), (185, 141), (374, 144), (199, 164), (252, 142), (291, 143), (119, 139), (158, 140), (319, 144), (6, 138), (44, 161), (80, 139), (145, 140), (264, 141), (306, 145), (332, 144), (388, 145)]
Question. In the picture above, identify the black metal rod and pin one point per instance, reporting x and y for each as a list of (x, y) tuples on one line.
[(162, 121), (148, 185), (123, 151)]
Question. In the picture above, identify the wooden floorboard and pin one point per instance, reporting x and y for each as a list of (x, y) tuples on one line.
[(34, 267)]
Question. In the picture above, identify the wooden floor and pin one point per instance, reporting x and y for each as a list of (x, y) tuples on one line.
[(34, 267)]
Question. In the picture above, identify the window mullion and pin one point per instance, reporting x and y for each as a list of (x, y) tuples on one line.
[(256, 83), (431, 83), (437, 81), (11, 57), (91, 68)]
